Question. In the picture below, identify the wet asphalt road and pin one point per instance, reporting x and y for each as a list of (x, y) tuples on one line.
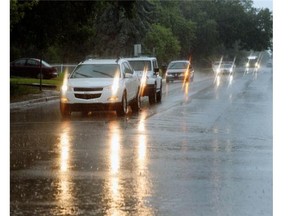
[(205, 150)]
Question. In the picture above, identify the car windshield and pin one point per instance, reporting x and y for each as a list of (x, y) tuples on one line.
[(178, 65), (140, 65), (45, 64), (226, 66), (95, 71)]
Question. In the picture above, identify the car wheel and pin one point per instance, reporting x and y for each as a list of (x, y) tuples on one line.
[(123, 108), (159, 94), (153, 96), (136, 104), (65, 110)]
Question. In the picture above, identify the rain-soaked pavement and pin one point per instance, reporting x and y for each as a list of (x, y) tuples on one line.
[(205, 150)]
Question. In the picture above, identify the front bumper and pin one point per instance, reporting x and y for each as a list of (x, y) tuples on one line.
[(177, 76), (80, 107)]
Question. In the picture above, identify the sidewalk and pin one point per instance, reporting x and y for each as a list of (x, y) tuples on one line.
[(28, 100)]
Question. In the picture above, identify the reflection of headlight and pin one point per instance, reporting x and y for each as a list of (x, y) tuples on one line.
[(218, 70), (143, 80), (115, 88), (115, 85), (231, 70), (247, 64)]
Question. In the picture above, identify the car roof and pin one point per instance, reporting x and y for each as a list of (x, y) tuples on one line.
[(103, 61), (180, 61), (26, 58), (140, 58)]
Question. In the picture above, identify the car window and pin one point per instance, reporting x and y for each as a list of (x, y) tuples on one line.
[(45, 64), (227, 66), (139, 65), (155, 64), (32, 62), (20, 62), (178, 65), (127, 69), (95, 71)]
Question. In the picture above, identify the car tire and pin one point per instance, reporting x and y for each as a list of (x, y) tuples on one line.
[(153, 96), (123, 108), (65, 110), (136, 103)]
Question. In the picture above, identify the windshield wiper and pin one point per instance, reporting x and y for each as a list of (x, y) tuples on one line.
[(83, 75), (103, 73)]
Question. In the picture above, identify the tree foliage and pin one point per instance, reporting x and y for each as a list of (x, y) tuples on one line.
[(71, 30), (162, 43)]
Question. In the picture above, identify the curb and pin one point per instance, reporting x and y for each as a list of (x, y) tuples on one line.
[(23, 104)]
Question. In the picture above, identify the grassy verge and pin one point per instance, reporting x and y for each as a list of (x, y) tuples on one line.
[(19, 86)]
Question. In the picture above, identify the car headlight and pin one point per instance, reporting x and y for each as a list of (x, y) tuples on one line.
[(247, 64), (65, 88)]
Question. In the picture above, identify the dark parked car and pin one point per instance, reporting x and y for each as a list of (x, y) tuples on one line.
[(30, 67)]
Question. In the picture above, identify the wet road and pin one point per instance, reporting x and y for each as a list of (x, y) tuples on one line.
[(205, 150)]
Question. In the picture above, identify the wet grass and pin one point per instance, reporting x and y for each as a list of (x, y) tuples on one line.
[(20, 87)]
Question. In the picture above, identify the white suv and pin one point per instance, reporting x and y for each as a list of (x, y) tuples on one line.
[(151, 81), (99, 84)]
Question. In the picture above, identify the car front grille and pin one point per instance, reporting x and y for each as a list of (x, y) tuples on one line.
[(88, 96), (88, 89)]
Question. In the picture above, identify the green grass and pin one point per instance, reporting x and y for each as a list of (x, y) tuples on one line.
[(55, 81), (19, 86)]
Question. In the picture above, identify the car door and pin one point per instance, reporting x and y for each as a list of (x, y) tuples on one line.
[(131, 81), (18, 67), (33, 67), (158, 78)]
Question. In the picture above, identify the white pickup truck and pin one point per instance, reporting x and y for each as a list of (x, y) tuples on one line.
[(151, 82)]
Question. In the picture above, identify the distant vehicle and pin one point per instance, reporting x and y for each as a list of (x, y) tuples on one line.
[(253, 62), (224, 68), (180, 70), (151, 81), (101, 85), (30, 67)]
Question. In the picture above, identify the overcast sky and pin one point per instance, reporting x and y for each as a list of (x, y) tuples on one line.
[(264, 4)]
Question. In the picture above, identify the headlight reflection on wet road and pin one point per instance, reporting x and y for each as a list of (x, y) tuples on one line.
[(65, 186), (114, 187), (222, 79), (185, 87)]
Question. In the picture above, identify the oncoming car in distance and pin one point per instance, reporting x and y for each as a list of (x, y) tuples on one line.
[(224, 68), (253, 64), (180, 70), (99, 84), (151, 82)]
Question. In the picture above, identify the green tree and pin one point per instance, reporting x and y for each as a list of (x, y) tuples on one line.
[(171, 16), (120, 25), (160, 42), (17, 10)]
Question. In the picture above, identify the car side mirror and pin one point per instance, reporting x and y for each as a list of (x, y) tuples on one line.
[(156, 70)]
